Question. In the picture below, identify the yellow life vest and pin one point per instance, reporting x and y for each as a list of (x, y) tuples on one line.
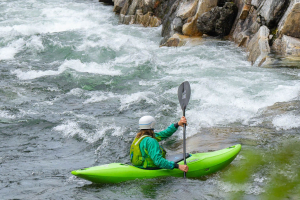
[(136, 156)]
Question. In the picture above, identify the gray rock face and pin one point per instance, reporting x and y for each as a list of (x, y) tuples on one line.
[(228, 14), (290, 23), (177, 24), (206, 23), (287, 46), (167, 29), (271, 11), (258, 46), (218, 21)]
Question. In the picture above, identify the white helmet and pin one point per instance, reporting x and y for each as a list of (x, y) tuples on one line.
[(147, 122)]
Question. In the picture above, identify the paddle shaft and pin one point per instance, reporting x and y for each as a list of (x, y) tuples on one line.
[(184, 144), (184, 93)]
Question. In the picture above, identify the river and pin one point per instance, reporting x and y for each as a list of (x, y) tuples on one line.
[(74, 84)]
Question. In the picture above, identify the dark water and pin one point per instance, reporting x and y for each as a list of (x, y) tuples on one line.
[(74, 84)]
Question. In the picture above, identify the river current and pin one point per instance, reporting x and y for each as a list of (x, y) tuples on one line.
[(74, 84)]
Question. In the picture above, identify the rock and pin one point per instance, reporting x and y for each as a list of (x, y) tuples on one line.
[(243, 39), (177, 24), (218, 21), (110, 2), (207, 21), (133, 7), (271, 11), (287, 46), (256, 3), (290, 23), (181, 40), (167, 30), (258, 46), (154, 21), (190, 28), (118, 5), (245, 12), (228, 14), (187, 8)]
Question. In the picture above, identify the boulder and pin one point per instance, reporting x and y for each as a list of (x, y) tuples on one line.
[(271, 11), (290, 23), (118, 5), (177, 24), (287, 46), (171, 8), (245, 12), (258, 46), (206, 23), (218, 21), (190, 28), (110, 2), (187, 8), (178, 40), (228, 14), (132, 8)]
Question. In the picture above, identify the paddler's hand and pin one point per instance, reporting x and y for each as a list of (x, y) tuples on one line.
[(182, 121), (183, 168)]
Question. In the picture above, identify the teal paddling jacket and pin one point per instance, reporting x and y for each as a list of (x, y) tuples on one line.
[(153, 148)]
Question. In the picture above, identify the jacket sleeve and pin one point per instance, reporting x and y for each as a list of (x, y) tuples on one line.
[(165, 133), (154, 152)]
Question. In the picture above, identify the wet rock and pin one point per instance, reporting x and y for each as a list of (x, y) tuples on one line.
[(287, 46), (218, 21), (178, 40), (190, 28), (206, 23), (177, 24), (110, 2), (272, 11), (243, 38), (118, 5), (127, 19), (171, 11), (258, 46), (187, 8), (290, 23), (228, 14), (245, 12), (132, 8)]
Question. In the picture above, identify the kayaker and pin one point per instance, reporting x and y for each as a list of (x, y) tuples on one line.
[(145, 151)]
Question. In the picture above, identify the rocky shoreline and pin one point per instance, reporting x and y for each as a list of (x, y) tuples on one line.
[(264, 28)]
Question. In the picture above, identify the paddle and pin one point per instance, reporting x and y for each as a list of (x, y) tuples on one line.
[(184, 94)]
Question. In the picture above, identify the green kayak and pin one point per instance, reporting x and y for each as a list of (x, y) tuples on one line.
[(199, 164)]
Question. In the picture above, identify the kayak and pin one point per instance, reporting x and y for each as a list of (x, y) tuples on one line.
[(199, 164)]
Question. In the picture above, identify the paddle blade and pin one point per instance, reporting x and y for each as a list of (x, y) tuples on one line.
[(184, 94)]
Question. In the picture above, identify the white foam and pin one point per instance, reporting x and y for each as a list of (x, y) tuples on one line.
[(6, 115), (100, 96), (95, 68), (287, 121), (9, 52), (70, 129), (134, 98), (248, 188)]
